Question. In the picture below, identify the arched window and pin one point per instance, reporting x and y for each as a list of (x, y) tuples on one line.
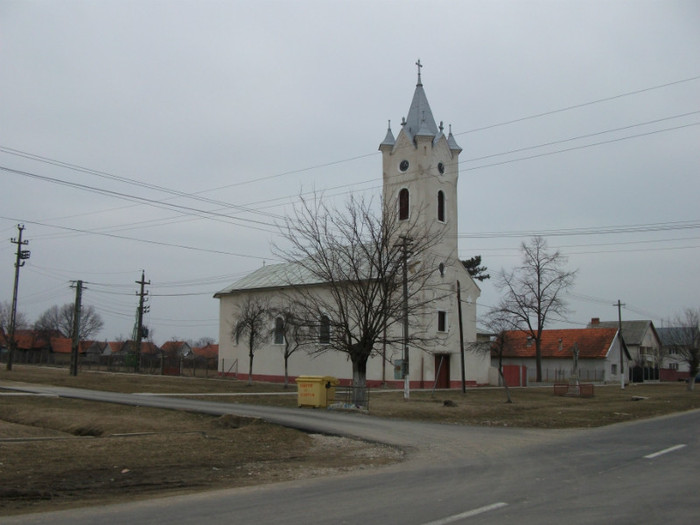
[(441, 206), (324, 330), (279, 331), (403, 204)]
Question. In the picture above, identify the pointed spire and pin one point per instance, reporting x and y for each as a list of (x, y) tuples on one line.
[(389, 140), (420, 121), (452, 143)]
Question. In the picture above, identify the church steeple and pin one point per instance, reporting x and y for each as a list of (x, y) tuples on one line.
[(420, 121)]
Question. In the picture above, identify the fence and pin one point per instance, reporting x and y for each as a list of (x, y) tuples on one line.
[(149, 364), (557, 375), (352, 397)]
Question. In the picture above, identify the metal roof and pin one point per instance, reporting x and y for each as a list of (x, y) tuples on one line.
[(273, 276)]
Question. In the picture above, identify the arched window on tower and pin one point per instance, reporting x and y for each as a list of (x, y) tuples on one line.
[(403, 204), (441, 206)]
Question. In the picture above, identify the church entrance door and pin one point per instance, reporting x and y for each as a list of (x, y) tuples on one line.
[(442, 370)]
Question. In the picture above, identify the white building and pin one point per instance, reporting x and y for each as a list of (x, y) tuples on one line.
[(420, 175)]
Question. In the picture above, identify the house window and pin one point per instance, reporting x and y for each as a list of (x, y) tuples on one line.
[(324, 330), (279, 331), (673, 366), (441, 206), (442, 321), (403, 204), (613, 369)]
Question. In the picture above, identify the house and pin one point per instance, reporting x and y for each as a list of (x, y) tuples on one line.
[(62, 348), (643, 344), (420, 174), (173, 355), (677, 345), (598, 355), (206, 354), (33, 346)]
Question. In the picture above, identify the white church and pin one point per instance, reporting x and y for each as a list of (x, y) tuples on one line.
[(420, 175)]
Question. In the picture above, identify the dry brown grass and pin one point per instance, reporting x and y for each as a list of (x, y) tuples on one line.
[(99, 452)]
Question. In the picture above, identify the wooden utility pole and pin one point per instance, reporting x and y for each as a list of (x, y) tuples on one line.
[(406, 379), (139, 323), (75, 347), (22, 255), (622, 343), (461, 338)]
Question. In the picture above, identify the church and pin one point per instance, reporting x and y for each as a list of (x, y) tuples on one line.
[(420, 175)]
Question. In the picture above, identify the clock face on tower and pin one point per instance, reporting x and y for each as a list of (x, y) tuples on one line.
[(403, 165)]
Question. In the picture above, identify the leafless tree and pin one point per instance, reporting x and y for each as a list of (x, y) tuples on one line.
[(351, 262), (60, 319), (293, 333), (21, 321), (202, 342), (682, 340), (534, 291), (252, 321), (500, 325)]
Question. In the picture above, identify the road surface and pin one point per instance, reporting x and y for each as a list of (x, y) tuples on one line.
[(639, 472)]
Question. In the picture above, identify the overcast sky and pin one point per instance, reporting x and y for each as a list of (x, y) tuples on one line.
[(171, 136)]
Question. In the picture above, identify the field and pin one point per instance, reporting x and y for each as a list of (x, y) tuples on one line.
[(56, 452)]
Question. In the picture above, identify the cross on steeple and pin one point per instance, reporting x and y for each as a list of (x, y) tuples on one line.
[(419, 67)]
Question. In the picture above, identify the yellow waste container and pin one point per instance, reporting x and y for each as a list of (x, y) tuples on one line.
[(315, 391)]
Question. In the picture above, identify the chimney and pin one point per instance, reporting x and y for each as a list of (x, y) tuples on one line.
[(595, 322)]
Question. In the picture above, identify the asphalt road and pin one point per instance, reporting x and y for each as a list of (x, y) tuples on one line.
[(641, 472)]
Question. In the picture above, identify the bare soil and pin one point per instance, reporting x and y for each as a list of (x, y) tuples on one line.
[(56, 453)]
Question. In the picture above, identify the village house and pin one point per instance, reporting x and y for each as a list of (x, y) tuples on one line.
[(598, 355), (420, 174), (643, 344)]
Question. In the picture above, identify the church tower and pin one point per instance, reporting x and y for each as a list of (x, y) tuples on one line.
[(420, 175)]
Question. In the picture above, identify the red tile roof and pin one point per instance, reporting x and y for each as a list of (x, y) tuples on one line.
[(210, 351), (64, 345), (593, 343)]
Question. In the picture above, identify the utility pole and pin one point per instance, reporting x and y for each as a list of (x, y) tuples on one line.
[(142, 293), (461, 338), (619, 329), (75, 347), (406, 379), (22, 255)]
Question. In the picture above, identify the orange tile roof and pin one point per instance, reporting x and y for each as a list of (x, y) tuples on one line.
[(64, 345), (593, 343), (209, 351)]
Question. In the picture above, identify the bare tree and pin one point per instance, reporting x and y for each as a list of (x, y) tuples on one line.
[(682, 341), (500, 326), (351, 262), (252, 321), (534, 291), (60, 319), (292, 332), (202, 342), (21, 321)]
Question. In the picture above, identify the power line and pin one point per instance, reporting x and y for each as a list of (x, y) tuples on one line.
[(147, 241), (578, 106)]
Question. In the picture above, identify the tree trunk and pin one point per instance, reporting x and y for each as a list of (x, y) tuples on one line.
[(286, 373), (359, 380), (503, 378), (538, 359)]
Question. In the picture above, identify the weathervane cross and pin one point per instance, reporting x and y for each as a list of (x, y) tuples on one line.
[(419, 66)]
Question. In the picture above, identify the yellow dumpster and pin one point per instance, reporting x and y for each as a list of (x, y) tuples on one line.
[(315, 391)]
